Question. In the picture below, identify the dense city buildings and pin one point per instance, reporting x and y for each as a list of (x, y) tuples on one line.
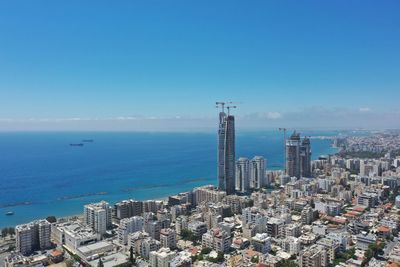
[(339, 211)]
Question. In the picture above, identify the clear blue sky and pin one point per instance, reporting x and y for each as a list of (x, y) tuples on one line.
[(64, 60)]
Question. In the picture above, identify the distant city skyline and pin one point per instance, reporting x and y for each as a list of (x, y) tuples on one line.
[(161, 66)]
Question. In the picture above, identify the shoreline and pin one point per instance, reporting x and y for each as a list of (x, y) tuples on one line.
[(169, 172)]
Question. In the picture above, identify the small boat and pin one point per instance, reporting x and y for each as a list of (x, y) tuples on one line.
[(9, 213), (87, 140), (79, 144)]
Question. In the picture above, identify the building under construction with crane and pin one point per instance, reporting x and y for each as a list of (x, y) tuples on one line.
[(226, 149), (298, 156)]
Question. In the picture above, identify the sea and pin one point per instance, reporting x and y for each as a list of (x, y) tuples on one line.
[(41, 174)]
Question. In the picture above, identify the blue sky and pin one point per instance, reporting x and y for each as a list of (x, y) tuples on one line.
[(160, 64)]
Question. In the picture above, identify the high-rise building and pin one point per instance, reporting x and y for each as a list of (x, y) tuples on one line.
[(127, 209), (257, 172), (298, 156), (293, 155), (243, 175), (226, 153), (32, 236), (305, 157), (98, 216)]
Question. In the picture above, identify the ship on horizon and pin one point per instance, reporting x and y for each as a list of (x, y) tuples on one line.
[(76, 144)]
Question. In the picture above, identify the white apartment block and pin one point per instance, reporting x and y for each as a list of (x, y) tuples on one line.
[(161, 258), (168, 238), (98, 216), (261, 243), (217, 240), (127, 226)]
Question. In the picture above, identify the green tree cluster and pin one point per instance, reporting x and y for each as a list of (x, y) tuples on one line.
[(343, 257), (51, 219), (287, 263), (188, 235), (372, 251), (7, 231)]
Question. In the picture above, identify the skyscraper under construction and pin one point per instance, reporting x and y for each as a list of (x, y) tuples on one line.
[(298, 156), (226, 152)]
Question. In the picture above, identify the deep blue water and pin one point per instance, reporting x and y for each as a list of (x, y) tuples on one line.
[(52, 178)]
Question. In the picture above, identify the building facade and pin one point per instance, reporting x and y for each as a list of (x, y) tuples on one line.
[(226, 153)]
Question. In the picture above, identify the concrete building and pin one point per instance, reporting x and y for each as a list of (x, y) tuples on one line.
[(143, 244), (275, 227), (307, 215), (98, 216), (364, 240), (207, 194), (293, 155), (181, 223), (197, 228), (216, 239), (226, 153), (72, 235), (161, 258), (328, 208), (341, 238), (291, 245), (127, 226), (242, 175), (32, 236), (314, 256), (182, 259), (305, 158), (261, 243), (367, 200), (331, 247), (168, 238), (127, 208), (253, 215), (153, 228), (257, 172), (397, 202), (292, 230)]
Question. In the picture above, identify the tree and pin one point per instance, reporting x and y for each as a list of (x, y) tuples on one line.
[(4, 232), (11, 231), (254, 259), (100, 264), (205, 251), (51, 219), (287, 263)]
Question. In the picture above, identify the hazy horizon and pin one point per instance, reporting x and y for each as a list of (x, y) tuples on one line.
[(160, 66)]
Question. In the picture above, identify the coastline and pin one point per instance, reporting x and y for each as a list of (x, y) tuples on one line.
[(135, 161)]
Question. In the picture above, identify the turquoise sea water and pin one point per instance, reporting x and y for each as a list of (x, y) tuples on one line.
[(41, 174)]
